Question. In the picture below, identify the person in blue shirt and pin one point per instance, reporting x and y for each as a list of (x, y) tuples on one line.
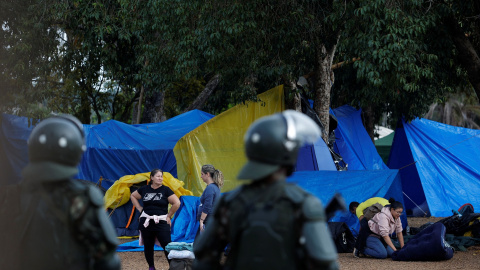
[(349, 217), (214, 180)]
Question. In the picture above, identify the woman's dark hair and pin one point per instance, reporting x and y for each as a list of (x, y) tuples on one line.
[(395, 204), (154, 171)]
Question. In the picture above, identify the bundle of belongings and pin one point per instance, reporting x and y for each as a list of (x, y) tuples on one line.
[(180, 254), (342, 237), (437, 241), (427, 245)]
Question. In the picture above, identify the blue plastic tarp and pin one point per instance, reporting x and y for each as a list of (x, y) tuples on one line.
[(441, 159), (315, 157), (115, 149), (353, 142), (185, 223), (352, 185), (350, 219), (134, 246), (14, 134)]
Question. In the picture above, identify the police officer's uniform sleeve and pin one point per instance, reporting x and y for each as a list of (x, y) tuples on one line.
[(319, 247), (96, 231)]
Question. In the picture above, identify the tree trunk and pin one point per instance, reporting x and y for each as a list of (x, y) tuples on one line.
[(466, 53), (323, 84), (369, 121), (292, 97), (199, 102), (154, 109), (134, 113), (84, 111), (139, 106)]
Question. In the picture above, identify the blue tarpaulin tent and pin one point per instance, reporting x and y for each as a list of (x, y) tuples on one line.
[(352, 185), (353, 142), (114, 149), (14, 132), (315, 157), (439, 165)]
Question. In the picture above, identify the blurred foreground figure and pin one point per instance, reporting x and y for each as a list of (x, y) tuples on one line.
[(50, 221), (270, 224)]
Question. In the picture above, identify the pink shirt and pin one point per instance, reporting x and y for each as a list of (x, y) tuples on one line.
[(384, 224)]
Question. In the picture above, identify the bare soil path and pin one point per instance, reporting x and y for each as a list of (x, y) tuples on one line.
[(468, 260)]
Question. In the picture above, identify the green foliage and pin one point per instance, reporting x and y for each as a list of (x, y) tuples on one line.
[(405, 58), (81, 57), (181, 95)]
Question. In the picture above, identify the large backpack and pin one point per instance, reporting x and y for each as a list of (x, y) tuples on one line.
[(372, 210), (342, 237)]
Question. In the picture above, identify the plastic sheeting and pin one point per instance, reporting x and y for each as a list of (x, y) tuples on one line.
[(220, 141), (185, 223), (119, 193), (352, 185), (315, 157), (353, 142), (14, 133), (439, 163), (115, 149)]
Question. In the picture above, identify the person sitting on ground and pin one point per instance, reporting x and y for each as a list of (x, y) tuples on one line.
[(349, 217), (374, 239)]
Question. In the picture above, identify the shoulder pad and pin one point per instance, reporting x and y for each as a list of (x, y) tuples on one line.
[(233, 194), (295, 193), (96, 196), (312, 208)]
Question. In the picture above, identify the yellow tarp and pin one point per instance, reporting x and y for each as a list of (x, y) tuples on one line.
[(119, 193), (219, 141)]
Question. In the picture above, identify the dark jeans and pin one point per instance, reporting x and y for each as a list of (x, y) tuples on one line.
[(163, 236), (377, 248)]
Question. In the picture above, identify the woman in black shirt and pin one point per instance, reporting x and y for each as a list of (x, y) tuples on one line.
[(155, 219)]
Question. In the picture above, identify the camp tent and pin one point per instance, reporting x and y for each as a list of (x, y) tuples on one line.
[(315, 157), (119, 206), (14, 132), (352, 185), (219, 141), (115, 149), (439, 164), (353, 142)]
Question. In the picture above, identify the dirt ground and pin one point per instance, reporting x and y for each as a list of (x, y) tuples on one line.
[(461, 260)]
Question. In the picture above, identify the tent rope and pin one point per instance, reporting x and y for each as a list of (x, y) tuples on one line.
[(414, 203), (114, 208), (437, 152)]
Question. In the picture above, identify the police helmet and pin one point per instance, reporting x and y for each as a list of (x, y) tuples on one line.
[(274, 141), (55, 148)]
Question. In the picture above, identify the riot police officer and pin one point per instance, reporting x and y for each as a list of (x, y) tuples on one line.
[(270, 224), (49, 220)]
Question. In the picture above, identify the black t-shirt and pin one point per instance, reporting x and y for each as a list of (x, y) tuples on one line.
[(155, 202)]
